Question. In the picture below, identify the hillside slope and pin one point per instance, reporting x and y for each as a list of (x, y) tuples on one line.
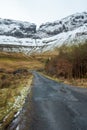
[(17, 36), (66, 24)]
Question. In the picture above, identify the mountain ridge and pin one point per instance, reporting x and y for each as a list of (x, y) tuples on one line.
[(69, 30)]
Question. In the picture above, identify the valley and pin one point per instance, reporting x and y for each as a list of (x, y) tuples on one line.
[(40, 69), (16, 80)]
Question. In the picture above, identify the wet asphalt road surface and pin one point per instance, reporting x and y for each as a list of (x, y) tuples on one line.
[(52, 106)]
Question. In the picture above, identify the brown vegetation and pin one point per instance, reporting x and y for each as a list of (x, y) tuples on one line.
[(15, 80), (12, 61), (71, 62)]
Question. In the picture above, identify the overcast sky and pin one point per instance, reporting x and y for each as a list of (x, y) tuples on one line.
[(40, 11)]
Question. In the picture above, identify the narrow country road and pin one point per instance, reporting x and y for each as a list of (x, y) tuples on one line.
[(52, 106)]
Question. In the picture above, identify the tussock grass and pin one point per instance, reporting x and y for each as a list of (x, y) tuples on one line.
[(15, 81), (13, 90), (82, 83), (12, 61), (77, 82)]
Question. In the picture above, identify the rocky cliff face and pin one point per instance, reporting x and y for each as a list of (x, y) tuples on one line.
[(28, 30), (17, 28), (20, 36), (69, 23)]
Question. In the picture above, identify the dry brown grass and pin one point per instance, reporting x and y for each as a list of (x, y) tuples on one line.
[(12, 61), (77, 82), (82, 83), (11, 85)]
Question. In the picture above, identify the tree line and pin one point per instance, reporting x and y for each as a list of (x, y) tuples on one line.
[(71, 62)]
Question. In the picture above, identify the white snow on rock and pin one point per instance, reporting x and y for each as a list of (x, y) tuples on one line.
[(16, 28), (66, 24), (70, 30)]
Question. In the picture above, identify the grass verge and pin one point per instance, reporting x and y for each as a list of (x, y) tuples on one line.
[(15, 80), (82, 83)]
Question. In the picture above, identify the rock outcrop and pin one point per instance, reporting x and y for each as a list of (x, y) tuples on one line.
[(69, 23), (17, 28)]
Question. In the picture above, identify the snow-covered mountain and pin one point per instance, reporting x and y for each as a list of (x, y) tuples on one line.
[(69, 23), (23, 36), (17, 28)]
